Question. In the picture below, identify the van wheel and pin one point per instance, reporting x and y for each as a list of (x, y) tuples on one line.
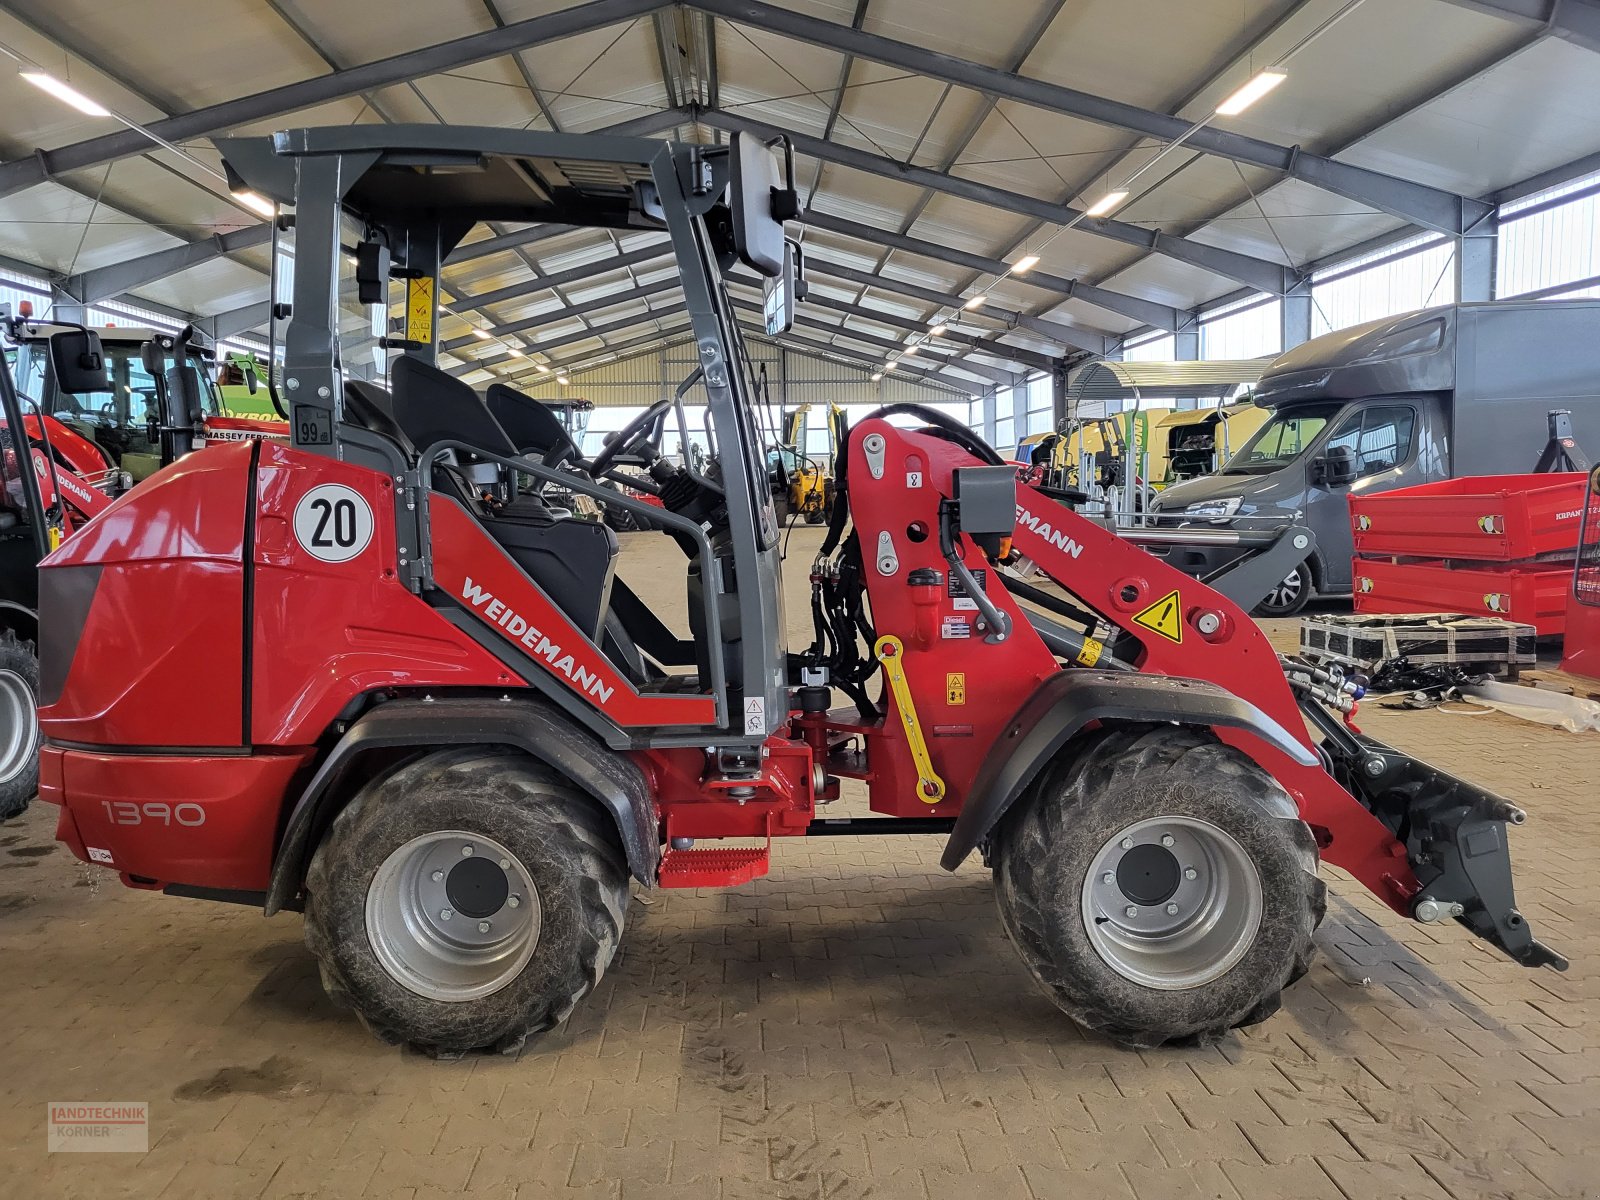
[(1288, 596), (1160, 887), (467, 901), (19, 724)]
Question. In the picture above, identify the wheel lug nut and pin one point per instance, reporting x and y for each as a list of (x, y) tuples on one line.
[(466, 851), (1190, 873), (1127, 843), (505, 864), (445, 914), (1172, 910), (1166, 839), (483, 927), (437, 876), (513, 901), (1131, 910), (1108, 877)]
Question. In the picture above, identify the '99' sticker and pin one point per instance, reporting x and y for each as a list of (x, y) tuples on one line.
[(333, 522)]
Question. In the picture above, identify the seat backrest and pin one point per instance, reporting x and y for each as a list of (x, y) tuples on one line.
[(432, 406), (533, 427), (369, 406)]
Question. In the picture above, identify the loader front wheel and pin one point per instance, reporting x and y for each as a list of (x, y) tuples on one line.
[(467, 901), (1159, 886), (19, 724)]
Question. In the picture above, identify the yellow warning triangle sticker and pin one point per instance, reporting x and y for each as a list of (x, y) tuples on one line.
[(1162, 617)]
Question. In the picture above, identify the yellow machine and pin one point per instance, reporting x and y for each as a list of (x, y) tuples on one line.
[(809, 482), (1197, 441)]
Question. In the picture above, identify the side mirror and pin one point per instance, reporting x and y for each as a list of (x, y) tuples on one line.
[(1338, 466), (153, 358), (79, 362), (250, 378), (761, 197)]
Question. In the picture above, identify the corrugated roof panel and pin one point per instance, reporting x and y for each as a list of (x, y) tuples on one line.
[(60, 230), (599, 78)]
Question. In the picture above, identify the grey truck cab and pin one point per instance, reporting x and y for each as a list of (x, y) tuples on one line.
[(1458, 390)]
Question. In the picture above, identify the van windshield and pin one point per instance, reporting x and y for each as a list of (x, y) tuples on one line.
[(1281, 440)]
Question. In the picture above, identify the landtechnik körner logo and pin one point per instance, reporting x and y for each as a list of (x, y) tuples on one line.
[(97, 1126)]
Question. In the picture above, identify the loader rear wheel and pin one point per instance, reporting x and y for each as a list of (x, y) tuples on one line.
[(19, 724), (467, 901), (1160, 887)]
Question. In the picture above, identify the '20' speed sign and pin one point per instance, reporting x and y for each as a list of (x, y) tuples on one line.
[(333, 522)]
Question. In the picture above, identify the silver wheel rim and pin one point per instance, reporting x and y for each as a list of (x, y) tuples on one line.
[(453, 916), (1178, 939), (19, 726), (1287, 592)]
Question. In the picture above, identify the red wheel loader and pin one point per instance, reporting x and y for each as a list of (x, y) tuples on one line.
[(432, 717)]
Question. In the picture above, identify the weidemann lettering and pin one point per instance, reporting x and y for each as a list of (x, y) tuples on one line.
[(520, 630), (1048, 532)]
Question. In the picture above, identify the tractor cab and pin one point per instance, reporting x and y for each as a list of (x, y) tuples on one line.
[(152, 410)]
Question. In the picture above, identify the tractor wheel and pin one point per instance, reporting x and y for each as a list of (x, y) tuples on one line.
[(1160, 887), (1289, 595), (467, 901), (19, 724)]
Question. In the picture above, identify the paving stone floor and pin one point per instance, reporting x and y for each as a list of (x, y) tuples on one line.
[(856, 1025)]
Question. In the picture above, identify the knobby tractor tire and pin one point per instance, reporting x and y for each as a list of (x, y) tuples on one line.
[(1051, 837), (19, 662), (569, 849)]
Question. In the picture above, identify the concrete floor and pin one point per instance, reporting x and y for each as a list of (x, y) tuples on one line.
[(856, 1025)]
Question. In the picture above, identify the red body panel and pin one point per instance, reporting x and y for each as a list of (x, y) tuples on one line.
[(325, 633), (1533, 595), (996, 678), (167, 615), (206, 822), (469, 565)]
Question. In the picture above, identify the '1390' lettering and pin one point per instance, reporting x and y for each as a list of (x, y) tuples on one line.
[(126, 812)]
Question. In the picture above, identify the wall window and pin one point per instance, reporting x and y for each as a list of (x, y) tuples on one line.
[(1162, 348), (1249, 329), (1415, 274), (1551, 239), (1041, 405)]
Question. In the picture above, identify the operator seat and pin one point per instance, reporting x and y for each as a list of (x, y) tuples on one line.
[(572, 560), (532, 427)]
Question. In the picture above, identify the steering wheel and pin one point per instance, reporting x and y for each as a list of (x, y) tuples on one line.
[(629, 437)]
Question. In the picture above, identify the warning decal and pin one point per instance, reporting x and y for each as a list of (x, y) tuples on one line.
[(419, 309), (1162, 617), (955, 687)]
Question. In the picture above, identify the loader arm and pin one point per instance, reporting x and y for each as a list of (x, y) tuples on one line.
[(1421, 841)]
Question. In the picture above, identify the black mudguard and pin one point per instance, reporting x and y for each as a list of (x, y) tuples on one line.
[(1068, 701), (531, 726)]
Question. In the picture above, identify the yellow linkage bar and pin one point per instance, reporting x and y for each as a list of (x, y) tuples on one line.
[(891, 653)]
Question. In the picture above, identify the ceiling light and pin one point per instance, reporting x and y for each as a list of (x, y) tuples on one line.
[(1106, 203), (1257, 87), (515, 353), (563, 380), (876, 376), (937, 329), (888, 366), (910, 350), (977, 301), (543, 370), (256, 203), (65, 94), (480, 334), (1025, 264)]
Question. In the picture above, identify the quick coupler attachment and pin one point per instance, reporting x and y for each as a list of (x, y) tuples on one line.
[(1455, 836)]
